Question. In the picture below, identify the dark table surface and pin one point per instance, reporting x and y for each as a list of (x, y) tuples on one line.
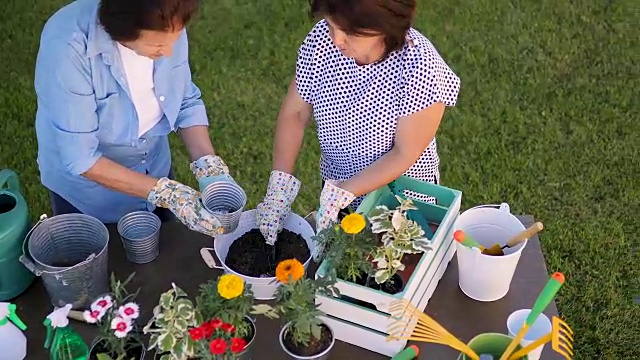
[(180, 262)]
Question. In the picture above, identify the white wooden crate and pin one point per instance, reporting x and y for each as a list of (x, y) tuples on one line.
[(378, 320), (355, 330), (414, 286)]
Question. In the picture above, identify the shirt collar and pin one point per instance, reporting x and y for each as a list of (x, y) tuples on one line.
[(99, 41)]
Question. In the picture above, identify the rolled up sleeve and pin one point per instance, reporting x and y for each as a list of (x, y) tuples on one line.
[(66, 96), (192, 110)]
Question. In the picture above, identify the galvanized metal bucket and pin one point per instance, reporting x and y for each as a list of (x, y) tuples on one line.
[(140, 235), (69, 252), (226, 201)]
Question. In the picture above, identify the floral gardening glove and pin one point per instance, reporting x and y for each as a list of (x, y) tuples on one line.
[(276, 206), (185, 203), (332, 200), (209, 169)]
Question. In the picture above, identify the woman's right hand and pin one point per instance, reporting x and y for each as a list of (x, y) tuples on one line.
[(276, 206), (184, 202)]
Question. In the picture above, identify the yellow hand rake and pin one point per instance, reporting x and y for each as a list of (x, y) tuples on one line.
[(561, 337), (426, 329)]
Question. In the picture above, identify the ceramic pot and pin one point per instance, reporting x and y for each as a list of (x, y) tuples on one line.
[(324, 355), (492, 344)]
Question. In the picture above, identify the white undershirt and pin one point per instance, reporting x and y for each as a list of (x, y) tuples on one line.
[(139, 72)]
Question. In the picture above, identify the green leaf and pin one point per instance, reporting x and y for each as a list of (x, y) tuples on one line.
[(316, 331), (184, 308), (421, 245), (178, 350), (179, 292), (381, 276), (166, 357), (166, 300), (153, 341), (167, 341), (180, 325), (102, 356)]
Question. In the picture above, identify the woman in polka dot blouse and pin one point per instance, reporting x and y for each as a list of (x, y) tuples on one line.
[(377, 89)]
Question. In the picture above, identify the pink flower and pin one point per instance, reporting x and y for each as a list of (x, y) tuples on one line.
[(93, 316), (120, 326), (129, 311), (104, 303)]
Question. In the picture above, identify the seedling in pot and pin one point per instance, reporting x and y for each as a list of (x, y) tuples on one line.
[(400, 236), (116, 315), (304, 333), (348, 247), (168, 326)]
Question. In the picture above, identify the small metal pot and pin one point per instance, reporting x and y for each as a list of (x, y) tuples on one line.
[(324, 355)]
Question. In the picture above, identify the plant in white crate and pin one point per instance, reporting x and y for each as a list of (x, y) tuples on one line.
[(400, 236), (348, 248), (413, 246)]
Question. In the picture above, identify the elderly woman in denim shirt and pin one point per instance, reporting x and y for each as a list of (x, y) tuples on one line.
[(112, 81)]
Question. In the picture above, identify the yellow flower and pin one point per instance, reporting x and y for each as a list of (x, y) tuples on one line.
[(289, 268), (230, 286), (353, 223)]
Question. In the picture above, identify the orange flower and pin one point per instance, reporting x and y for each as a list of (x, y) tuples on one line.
[(289, 268)]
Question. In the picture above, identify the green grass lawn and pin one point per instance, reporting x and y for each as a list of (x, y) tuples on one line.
[(544, 122)]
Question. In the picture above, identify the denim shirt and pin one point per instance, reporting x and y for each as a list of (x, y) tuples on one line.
[(85, 111)]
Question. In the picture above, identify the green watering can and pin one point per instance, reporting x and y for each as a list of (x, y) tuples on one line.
[(14, 226)]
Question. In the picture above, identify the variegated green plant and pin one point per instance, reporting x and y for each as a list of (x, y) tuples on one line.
[(399, 236), (169, 326)]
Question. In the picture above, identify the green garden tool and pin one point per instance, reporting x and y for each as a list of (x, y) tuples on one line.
[(550, 290)]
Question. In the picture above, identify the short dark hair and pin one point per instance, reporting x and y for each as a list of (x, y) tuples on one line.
[(123, 19), (391, 18)]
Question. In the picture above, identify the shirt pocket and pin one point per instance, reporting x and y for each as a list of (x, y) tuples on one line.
[(114, 119)]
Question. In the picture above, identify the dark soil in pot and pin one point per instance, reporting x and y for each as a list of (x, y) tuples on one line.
[(392, 286), (250, 255), (135, 350), (315, 346)]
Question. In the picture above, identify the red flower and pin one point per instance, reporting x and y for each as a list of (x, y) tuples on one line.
[(238, 345), (228, 328), (217, 346), (207, 329), (197, 333), (215, 323)]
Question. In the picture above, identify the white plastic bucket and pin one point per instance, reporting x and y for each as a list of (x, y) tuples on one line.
[(263, 288), (485, 277)]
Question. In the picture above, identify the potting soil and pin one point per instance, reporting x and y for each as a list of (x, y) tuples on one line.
[(250, 255), (315, 346)]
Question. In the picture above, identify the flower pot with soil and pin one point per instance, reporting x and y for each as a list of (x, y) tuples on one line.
[(116, 314), (244, 251), (228, 300), (304, 335), (400, 269), (169, 325), (318, 348)]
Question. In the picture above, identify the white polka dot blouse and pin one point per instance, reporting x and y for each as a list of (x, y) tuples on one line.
[(357, 107)]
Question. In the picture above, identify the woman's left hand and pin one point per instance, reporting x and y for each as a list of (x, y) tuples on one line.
[(209, 169), (332, 200)]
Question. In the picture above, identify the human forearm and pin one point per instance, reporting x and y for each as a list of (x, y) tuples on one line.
[(197, 141), (287, 143), (292, 120), (118, 178), (381, 172)]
